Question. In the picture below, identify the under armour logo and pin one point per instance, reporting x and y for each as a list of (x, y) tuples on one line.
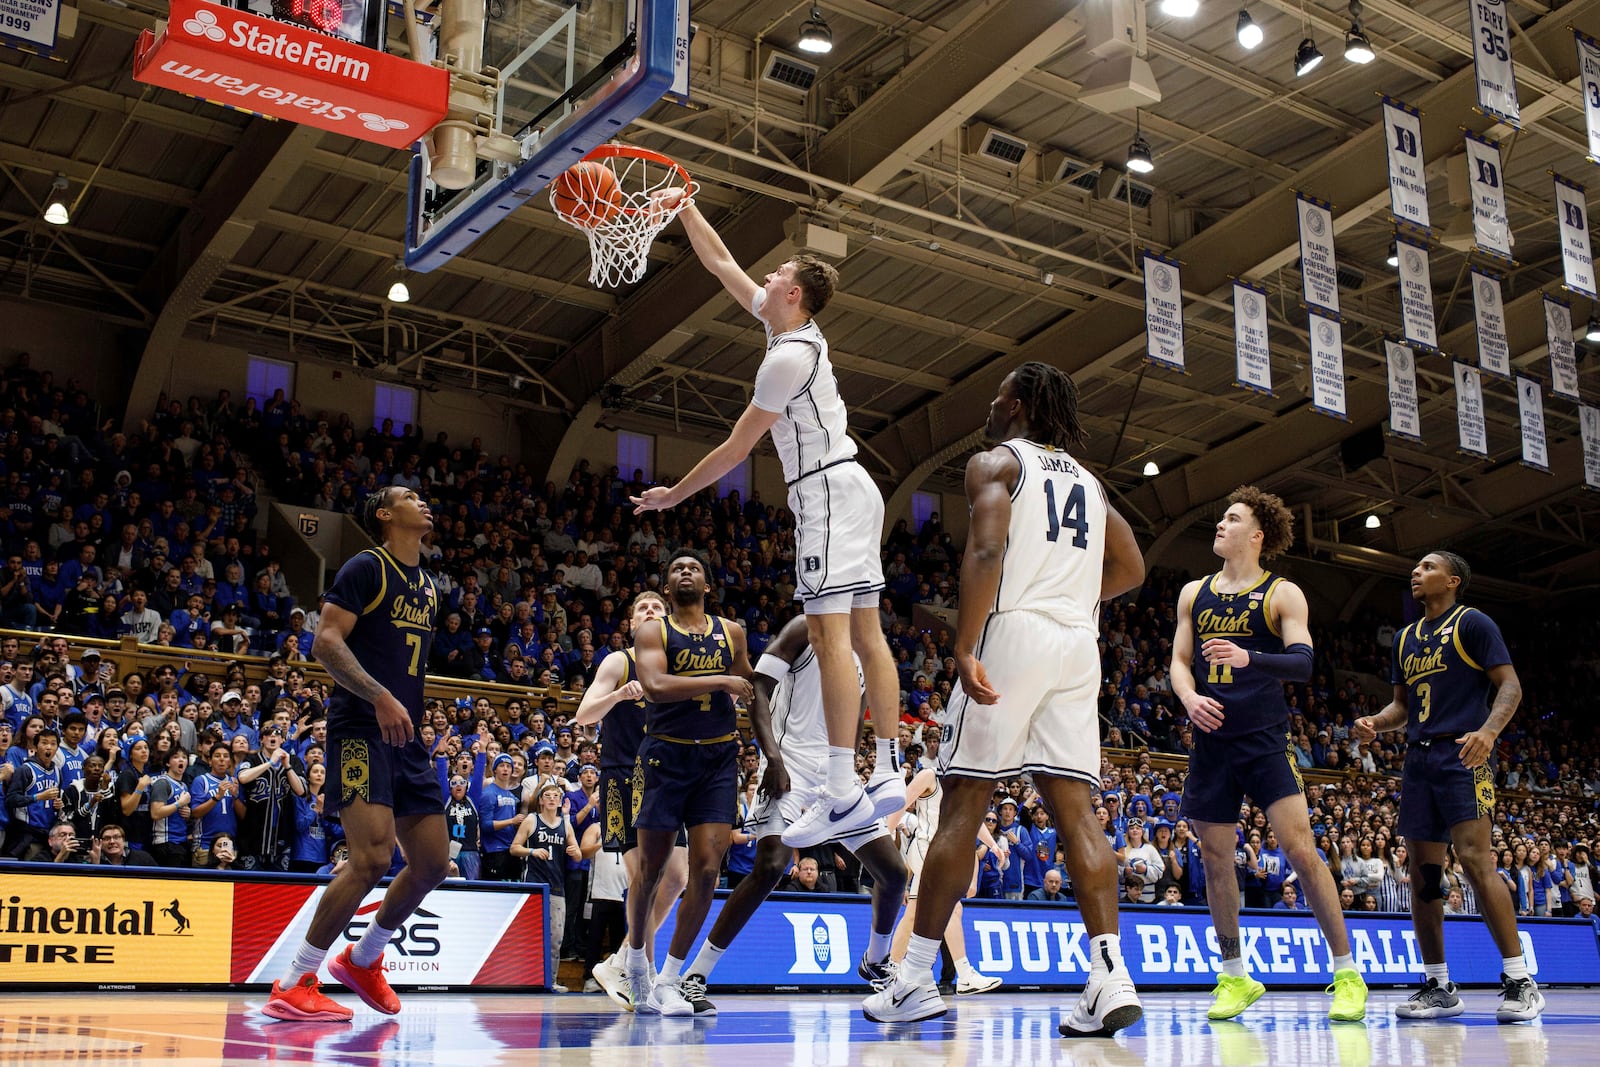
[(377, 123), (204, 24), (813, 563)]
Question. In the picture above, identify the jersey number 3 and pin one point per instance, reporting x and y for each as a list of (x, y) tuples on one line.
[(1074, 515)]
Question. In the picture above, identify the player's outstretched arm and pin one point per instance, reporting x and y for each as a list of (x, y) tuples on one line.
[(333, 653), (990, 477), (1123, 568), (607, 691), (716, 257), (741, 441)]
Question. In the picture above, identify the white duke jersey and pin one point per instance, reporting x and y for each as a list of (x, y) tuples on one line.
[(1056, 544), (796, 382), (798, 721)]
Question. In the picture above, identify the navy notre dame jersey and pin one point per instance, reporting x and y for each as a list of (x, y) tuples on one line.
[(623, 727), (1251, 700), (390, 640), (1444, 665), (693, 655)]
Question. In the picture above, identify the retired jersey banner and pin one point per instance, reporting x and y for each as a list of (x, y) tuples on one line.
[(1327, 366), (1589, 426), (1572, 213), (1589, 85), (1491, 225), (1251, 350), (1471, 436), (1318, 269), (1530, 408), (1489, 309), (1408, 186), (1163, 311), (1416, 294), (1491, 60), (1405, 420), (1563, 349)]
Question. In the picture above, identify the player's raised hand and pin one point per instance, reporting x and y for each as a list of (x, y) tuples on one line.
[(393, 720), (665, 201), (975, 680), (1364, 728), (1475, 748), (1203, 712), (655, 498), (1219, 650)]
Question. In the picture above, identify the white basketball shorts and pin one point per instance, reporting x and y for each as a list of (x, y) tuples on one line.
[(1048, 677), (838, 536), (807, 784)]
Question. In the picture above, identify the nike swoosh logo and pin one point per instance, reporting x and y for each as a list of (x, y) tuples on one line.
[(835, 816), (1095, 1003), (897, 1001)]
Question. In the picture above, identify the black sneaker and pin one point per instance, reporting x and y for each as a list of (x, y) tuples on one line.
[(878, 975), (1432, 1001), (694, 991), (1521, 1000)]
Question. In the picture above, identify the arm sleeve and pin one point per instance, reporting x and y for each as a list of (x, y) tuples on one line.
[(1293, 664), (358, 584), (783, 375)]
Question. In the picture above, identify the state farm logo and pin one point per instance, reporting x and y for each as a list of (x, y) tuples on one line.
[(379, 124), (204, 24)]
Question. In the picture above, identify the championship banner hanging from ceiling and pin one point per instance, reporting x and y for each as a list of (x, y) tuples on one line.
[(1408, 186), (1563, 349), (1572, 214), (1489, 309), (1251, 351), (1530, 407), (1319, 273), (1491, 225), (1471, 436), (1589, 86), (1491, 61), (1405, 420), (1163, 311), (1416, 294), (1327, 366), (1589, 425)]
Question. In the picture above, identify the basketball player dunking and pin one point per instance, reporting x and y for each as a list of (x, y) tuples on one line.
[(616, 699), (838, 517), (377, 623), (1252, 633), (1044, 548)]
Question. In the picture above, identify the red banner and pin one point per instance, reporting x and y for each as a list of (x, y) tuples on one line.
[(280, 70)]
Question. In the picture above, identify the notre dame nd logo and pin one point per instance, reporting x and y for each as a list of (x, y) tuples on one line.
[(355, 771), (614, 822), (1483, 788)]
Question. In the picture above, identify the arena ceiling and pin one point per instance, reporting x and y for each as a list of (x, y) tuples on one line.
[(193, 220)]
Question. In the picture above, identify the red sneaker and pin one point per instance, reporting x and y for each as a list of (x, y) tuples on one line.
[(371, 984), (304, 1001)]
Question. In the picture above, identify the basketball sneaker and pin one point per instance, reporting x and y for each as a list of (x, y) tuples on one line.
[(371, 984), (304, 1001), (1233, 995), (1349, 997), (1521, 1000), (1432, 1001), (887, 791), (639, 986), (877, 975), (972, 980), (608, 975), (1109, 1003), (832, 817), (902, 1001), (694, 991), (666, 997)]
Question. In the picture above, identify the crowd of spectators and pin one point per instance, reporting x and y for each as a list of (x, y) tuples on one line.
[(154, 534)]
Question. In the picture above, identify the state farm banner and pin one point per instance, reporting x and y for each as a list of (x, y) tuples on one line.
[(1405, 420), (1563, 349), (1589, 84), (1530, 409), (1489, 310), (1319, 272), (1471, 436), (1252, 354), (1416, 294), (1589, 426), (1327, 366), (1572, 214), (1163, 311), (1491, 61), (1408, 186), (1491, 224)]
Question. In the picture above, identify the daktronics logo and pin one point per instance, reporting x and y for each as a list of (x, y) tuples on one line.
[(312, 52), (416, 940)]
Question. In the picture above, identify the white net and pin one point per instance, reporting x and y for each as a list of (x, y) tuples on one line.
[(622, 223)]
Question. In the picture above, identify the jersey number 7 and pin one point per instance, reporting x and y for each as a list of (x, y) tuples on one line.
[(1074, 516)]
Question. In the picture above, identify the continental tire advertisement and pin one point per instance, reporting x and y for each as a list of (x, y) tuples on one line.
[(112, 931)]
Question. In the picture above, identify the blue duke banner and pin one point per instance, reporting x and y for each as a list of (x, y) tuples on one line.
[(1572, 215), (1408, 187), (1491, 61), (1327, 367), (1404, 418), (1416, 294), (1491, 226), (1318, 270), (814, 940), (1251, 350), (1488, 306), (1163, 311)]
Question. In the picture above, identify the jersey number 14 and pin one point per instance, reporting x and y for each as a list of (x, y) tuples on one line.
[(1073, 516)]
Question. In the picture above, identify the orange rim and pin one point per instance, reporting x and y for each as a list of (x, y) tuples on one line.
[(628, 151)]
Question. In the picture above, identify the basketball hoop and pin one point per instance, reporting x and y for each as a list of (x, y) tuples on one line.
[(623, 223)]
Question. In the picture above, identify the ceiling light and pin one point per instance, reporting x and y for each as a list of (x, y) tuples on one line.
[(1139, 159), (398, 293), (815, 36), (1592, 334), (1306, 58), (1357, 49), (1373, 522), (1247, 31), (56, 214), (1393, 259), (1180, 9), (1150, 469)]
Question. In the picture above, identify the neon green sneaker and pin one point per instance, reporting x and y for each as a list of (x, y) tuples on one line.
[(1349, 997), (1234, 995)]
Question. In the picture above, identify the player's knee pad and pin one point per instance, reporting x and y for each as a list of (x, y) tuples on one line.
[(1432, 887)]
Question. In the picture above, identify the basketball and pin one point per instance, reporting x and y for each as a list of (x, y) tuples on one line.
[(587, 195)]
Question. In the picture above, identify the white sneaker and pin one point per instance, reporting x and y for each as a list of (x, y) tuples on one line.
[(666, 997), (1109, 1003), (887, 791), (640, 991), (832, 817), (591, 986), (975, 981), (903, 1002), (608, 973)]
